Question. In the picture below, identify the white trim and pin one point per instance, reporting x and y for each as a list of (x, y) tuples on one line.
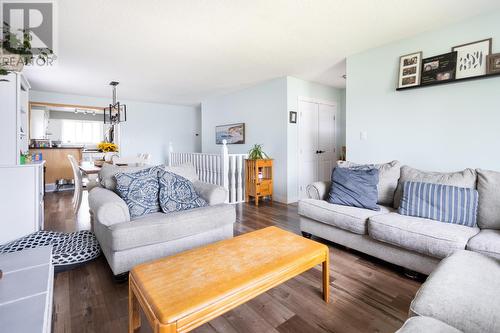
[(299, 128), (316, 100)]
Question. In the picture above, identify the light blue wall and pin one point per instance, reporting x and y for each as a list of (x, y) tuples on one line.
[(149, 126), (445, 127), (297, 88), (262, 109)]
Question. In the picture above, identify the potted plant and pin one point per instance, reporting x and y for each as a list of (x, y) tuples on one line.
[(256, 153), (15, 53), (258, 174)]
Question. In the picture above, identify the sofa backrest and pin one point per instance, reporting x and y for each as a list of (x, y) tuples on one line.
[(108, 171), (186, 170), (465, 178), (488, 187), (388, 177)]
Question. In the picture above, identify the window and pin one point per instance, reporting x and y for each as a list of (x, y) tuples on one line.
[(82, 132)]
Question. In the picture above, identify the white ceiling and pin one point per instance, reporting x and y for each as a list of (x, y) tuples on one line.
[(183, 51)]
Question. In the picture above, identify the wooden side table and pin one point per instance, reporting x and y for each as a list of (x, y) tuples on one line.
[(258, 179)]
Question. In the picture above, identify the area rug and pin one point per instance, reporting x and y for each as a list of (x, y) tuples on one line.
[(69, 250)]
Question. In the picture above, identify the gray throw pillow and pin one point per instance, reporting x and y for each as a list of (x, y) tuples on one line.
[(388, 176), (177, 193), (139, 190), (186, 170), (108, 171), (355, 187)]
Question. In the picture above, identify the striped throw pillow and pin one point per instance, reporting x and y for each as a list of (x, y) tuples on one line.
[(451, 204)]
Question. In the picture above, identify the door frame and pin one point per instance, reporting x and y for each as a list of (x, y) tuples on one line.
[(299, 129)]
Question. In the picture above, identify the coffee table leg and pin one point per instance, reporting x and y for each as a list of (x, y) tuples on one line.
[(134, 315), (326, 278)]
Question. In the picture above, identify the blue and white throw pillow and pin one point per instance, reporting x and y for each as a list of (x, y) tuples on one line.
[(139, 190), (177, 193), (444, 203)]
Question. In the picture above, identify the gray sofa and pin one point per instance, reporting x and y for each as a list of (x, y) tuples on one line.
[(461, 295), (126, 243), (417, 244)]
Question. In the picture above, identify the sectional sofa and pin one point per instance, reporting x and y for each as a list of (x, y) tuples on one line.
[(417, 244), (462, 295)]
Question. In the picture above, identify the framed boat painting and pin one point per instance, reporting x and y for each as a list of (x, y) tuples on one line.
[(232, 133)]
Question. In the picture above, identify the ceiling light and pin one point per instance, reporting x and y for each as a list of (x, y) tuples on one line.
[(116, 113)]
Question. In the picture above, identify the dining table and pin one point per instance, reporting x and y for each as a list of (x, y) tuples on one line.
[(89, 168)]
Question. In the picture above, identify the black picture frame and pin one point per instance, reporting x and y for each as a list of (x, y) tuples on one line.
[(292, 117), (409, 70), (439, 69), (493, 62)]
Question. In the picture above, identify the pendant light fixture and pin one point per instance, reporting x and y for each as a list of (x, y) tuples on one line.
[(116, 113)]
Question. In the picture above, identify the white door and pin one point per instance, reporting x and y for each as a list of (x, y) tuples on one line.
[(326, 141), (317, 152)]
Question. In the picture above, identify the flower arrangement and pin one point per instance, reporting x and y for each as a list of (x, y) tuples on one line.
[(108, 147)]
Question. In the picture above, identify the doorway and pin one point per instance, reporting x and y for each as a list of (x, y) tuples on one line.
[(317, 146)]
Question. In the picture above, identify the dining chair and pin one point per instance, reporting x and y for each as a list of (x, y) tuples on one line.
[(77, 175)]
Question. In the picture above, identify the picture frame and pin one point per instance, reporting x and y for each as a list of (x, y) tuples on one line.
[(232, 133), (439, 69), (410, 70), (293, 117), (493, 61), (471, 58)]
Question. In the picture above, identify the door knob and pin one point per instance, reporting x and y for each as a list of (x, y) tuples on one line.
[(321, 151)]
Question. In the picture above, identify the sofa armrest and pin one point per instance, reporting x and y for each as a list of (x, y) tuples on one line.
[(318, 190), (108, 208), (213, 194)]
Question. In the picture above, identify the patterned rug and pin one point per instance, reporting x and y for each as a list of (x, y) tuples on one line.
[(69, 250)]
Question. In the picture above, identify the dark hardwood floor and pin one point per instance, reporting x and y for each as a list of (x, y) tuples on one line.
[(367, 295)]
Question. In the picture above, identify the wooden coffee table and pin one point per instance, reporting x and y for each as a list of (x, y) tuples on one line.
[(184, 291)]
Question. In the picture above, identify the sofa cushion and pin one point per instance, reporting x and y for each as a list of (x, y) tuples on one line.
[(465, 178), (177, 193), (354, 187), (420, 235), (352, 219), (186, 170), (159, 227), (139, 190), (422, 324), (487, 242), (444, 203), (213, 194), (488, 183), (464, 292), (388, 177), (108, 171)]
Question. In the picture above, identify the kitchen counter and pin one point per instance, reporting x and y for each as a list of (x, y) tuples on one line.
[(57, 162)]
